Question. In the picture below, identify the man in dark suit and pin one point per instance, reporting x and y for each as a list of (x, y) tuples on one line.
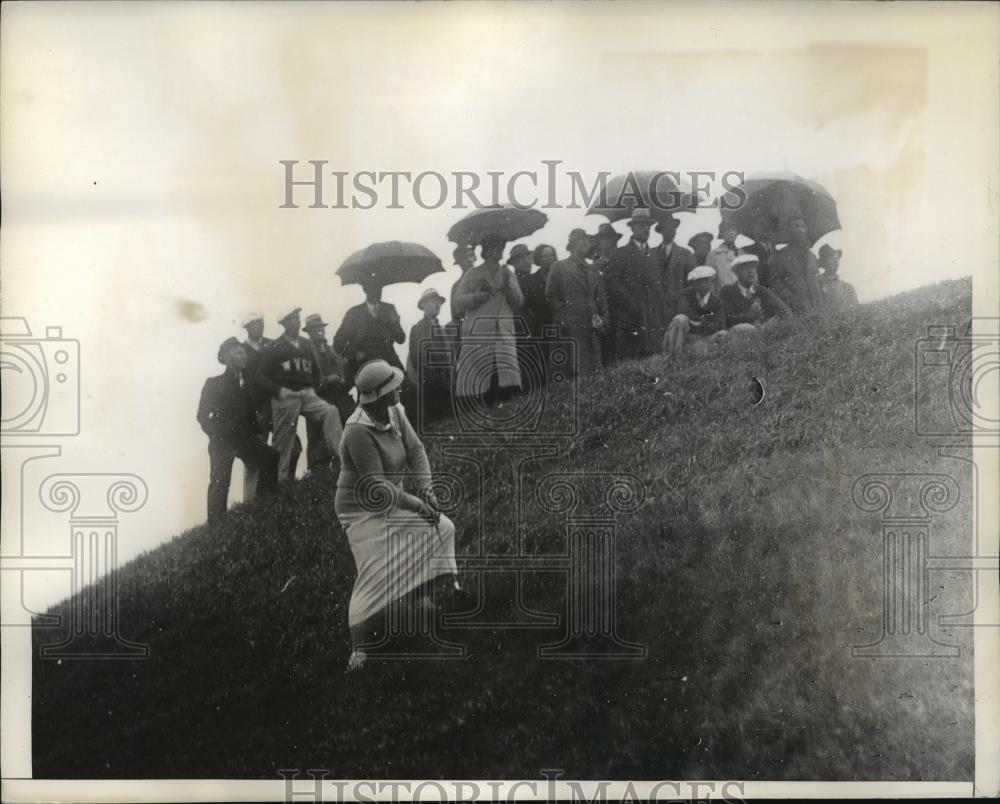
[(330, 385), (795, 272), (636, 297), (227, 415), (750, 307), (430, 362), (369, 331), (255, 345), (676, 262)]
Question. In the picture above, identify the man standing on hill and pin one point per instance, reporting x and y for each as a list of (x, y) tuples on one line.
[(795, 272), (762, 247), (701, 246), (288, 372), (636, 298), (839, 295), (369, 331), (431, 360), (721, 257), (575, 291), (331, 386), (465, 257), (227, 415), (676, 262)]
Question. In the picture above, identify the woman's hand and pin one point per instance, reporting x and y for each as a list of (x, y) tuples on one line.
[(428, 513)]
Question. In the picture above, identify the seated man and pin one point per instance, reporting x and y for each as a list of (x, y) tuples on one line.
[(701, 319), (838, 294), (749, 306), (227, 415)]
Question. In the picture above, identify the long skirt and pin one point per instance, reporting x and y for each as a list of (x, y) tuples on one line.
[(395, 553)]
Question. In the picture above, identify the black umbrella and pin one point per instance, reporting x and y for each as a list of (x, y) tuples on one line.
[(508, 222), (389, 263), (655, 190), (777, 198)]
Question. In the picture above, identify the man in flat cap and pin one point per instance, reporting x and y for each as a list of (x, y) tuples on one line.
[(700, 318), (635, 292), (331, 386), (676, 263), (750, 307), (288, 372), (430, 362), (227, 415), (255, 345), (575, 292)]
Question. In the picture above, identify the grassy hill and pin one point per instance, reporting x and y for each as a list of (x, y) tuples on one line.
[(746, 571)]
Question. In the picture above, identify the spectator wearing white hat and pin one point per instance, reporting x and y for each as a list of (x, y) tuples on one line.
[(750, 308), (700, 320), (288, 372), (430, 361), (400, 540)]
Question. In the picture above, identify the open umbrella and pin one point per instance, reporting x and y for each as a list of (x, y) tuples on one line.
[(654, 189), (779, 196), (389, 263), (508, 222)]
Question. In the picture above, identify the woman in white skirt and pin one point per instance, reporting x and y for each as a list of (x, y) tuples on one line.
[(400, 540)]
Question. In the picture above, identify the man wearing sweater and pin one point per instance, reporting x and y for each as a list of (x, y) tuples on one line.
[(700, 319), (288, 371), (227, 415)]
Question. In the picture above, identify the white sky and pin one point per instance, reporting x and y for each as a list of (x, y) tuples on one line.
[(140, 176)]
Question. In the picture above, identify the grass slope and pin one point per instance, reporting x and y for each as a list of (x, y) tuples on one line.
[(746, 571)]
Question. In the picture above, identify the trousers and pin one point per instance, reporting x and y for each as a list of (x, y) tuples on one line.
[(285, 412), (256, 456)]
